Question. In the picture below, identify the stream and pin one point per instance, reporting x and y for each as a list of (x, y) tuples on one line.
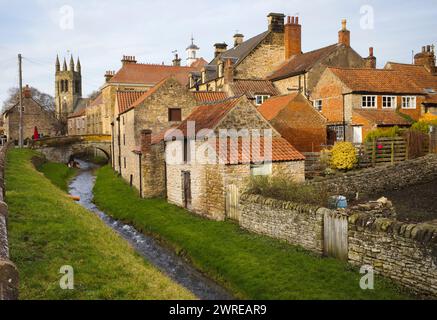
[(161, 257)]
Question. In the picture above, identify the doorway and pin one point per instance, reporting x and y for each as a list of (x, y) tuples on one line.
[(358, 134)]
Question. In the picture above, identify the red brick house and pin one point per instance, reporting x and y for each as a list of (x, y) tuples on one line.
[(295, 118), (355, 101)]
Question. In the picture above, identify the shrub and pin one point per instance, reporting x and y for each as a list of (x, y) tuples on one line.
[(287, 190), (383, 133), (421, 126), (343, 156)]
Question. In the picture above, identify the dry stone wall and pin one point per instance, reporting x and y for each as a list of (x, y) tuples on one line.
[(8, 271), (406, 253), (384, 178)]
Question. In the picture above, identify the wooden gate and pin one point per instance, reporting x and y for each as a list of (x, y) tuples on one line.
[(232, 200), (335, 236), (433, 140)]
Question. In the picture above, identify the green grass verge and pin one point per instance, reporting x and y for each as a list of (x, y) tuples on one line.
[(58, 173), (251, 266), (47, 231)]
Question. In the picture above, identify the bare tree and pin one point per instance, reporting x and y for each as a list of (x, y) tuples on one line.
[(93, 94), (44, 99)]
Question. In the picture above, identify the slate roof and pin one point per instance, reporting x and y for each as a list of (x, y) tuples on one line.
[(242, 50), (302, 63), (253, 87), (136, 73)]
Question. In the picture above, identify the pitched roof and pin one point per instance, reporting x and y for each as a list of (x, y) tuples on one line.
[(208, 116), (252, 87), (209, 96), (97, 100), (376, 80), (126, 98), (199, 63), (242, 50), (253, 151), (420, 76), (273, 106), (380, 117), (302, 63), (149, 73)]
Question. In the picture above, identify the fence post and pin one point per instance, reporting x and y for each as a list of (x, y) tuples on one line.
[(374, 153), (407, 147), (392, 152)]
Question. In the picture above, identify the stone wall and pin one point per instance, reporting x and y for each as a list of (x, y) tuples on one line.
[(405, 253), (8, 271), (298, 224), (375, 180)]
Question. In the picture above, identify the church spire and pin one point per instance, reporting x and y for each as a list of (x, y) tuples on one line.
[(58, 64), (71, 63), (64, 68), (78, 66)]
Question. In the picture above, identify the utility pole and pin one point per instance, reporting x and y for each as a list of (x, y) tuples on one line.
[(20, 95)]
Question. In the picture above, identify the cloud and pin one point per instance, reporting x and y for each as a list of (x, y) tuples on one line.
[(151, 30)]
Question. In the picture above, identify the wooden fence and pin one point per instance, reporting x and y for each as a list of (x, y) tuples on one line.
[(433, 140)]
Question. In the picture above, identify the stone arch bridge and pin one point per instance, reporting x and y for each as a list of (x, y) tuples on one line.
[(59, 149)]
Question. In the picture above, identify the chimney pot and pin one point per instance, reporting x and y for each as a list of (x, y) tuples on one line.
[(344, 35), (371, 52), (27, 92), (296, 20)]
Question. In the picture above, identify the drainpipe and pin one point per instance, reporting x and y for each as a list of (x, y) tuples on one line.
[(119, 145), (141, 175), (165, 170)]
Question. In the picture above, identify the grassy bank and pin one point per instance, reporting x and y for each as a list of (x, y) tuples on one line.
[(47, 231), (59, 174), (251, 266)]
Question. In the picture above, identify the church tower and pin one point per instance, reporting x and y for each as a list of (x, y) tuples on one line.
[(68, 87), (192, 53)]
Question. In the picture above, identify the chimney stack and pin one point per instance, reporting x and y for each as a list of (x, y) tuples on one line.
[(109, 75), (370, 61), (229, 71), (238, 39), (292, 37), (426, 58), (276, 22), (27, 92), (344, 35), (146, 141), (177, 61), (128, 60), (219, 49)]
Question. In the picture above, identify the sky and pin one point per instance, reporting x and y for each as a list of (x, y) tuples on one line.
[(102, 31)]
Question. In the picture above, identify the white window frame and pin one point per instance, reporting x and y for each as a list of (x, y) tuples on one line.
[(409, 102), (393, 102), (261, 98), (367, 104), (265, 169), (318, 104)]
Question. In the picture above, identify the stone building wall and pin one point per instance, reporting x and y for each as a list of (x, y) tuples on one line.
[(33, 115), (153, 169), (264, 59), (375, 180)]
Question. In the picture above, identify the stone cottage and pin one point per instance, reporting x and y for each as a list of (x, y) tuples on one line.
[(206, 175), (34, 115), (356, 101), (164, 106), (296, 119), (77, 124)]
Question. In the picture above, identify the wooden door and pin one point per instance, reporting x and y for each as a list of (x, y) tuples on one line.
[(336, 236), (187, 189), (232, 200)]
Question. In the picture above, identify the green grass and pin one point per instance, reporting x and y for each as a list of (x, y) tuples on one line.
[(251, 266), (59, 174), (47, 231)]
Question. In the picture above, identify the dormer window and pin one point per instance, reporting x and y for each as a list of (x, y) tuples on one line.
[(368, 102), (260, 99)]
